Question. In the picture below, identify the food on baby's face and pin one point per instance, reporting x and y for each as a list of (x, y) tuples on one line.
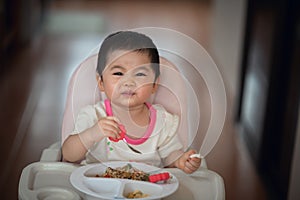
[(136, 194)]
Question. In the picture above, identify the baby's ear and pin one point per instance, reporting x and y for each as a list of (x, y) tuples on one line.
[(100, 82), (155, 86)]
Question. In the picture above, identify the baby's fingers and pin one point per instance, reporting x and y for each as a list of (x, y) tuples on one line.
[(109, 121), (112, 118), (109, 128), (191, 164), (195, 162)]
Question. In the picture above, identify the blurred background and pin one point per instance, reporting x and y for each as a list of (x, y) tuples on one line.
[(254, 43)]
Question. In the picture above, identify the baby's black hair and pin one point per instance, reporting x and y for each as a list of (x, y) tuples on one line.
[(131, 41)]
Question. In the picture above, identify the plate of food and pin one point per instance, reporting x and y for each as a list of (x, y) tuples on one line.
[(123, 180)]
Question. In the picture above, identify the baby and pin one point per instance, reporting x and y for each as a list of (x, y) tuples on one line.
[(125, 127)]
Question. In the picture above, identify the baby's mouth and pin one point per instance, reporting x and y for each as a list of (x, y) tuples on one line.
[(128, 93)]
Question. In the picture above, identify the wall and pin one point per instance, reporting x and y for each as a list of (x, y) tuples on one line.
[(294, 191), (227, 40)]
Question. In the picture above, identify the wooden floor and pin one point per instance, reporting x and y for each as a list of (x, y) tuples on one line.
[(34, 84)]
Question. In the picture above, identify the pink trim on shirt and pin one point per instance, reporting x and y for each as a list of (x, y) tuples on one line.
[(149, 129)]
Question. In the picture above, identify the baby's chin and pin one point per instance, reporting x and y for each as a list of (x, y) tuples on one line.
[(128, 101)]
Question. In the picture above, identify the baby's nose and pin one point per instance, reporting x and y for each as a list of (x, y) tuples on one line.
[(128, 82)]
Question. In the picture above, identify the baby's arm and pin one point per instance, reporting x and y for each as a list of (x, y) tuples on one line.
[(187, 164), (75, 146)]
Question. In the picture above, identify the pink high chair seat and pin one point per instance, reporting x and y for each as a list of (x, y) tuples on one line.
[(83, 90)]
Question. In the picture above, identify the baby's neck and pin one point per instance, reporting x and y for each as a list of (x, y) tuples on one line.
[(135, 120)]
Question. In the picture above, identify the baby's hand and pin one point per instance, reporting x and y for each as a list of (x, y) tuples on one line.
[(187, 164), (108, 127)]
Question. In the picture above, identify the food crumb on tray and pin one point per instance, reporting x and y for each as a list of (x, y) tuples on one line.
[(136, 194)]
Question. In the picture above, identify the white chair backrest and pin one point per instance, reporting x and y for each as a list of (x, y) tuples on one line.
[(83, 90)]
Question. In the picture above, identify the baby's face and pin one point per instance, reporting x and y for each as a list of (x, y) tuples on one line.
[(128, 79)]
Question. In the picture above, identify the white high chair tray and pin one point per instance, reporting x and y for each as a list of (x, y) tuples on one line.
[(51, 180), (85, 180)]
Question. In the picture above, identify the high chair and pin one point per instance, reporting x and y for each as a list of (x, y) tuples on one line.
[(49, 177)]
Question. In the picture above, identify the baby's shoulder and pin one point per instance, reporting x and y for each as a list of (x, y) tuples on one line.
[(163, 113), (94, 109), (166, 121)]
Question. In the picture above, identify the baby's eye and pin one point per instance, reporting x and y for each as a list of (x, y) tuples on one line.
[(118, 74), (140, 74)]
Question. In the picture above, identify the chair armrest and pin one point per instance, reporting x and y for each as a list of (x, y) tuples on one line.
[(203, 163), (52, 153)]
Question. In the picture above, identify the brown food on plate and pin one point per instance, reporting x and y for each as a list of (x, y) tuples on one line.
[(126, 172)]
